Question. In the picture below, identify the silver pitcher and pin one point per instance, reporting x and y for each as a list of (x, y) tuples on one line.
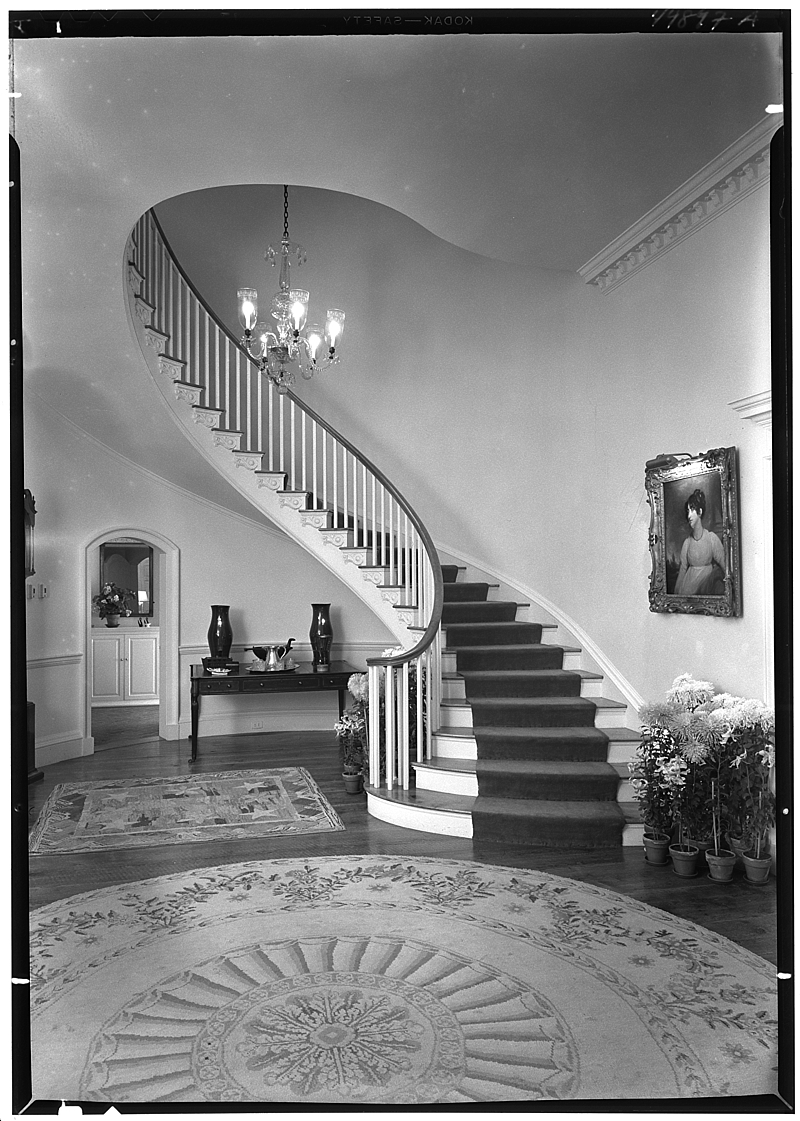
[(271, 658)]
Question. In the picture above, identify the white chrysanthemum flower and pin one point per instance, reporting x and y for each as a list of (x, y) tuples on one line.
[(689, 693)]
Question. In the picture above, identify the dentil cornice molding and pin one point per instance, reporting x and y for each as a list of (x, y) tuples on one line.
[(738, 171)]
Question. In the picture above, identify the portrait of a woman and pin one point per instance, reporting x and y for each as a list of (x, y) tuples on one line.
[(702, 562)]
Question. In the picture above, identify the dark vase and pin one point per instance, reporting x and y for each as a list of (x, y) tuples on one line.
[(321, 635), (220, 635)]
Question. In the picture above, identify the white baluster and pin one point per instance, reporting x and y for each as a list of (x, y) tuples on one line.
[(249, 393), (389, 720), (345, 454), (391, 542), (292, 442), (314, 477), (374, 526), (325, 469), (180, 352), (374, 734), (271, 400), (169, 322), (281, 435), (259, 407), (304, 485), (403, 737), (420, 672), (364, 522), (335, 469)]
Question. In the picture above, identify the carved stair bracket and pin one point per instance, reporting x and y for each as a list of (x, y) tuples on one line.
[(293, 499), (407, 616), (317, 519), (375, 576), (185, 391), (272, 480), (227, 439), (135, 279), (356, 556), (249, 460), (172, 367), (339, 538), (144, 311), (392, 595), (209, 418), (156, 339)]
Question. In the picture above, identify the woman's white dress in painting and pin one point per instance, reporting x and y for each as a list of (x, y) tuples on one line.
[(698, 560)]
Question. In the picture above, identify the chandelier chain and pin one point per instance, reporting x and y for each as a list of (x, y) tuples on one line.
[(285, 212)]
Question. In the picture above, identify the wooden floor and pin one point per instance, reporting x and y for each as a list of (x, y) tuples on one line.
[(745, 914)]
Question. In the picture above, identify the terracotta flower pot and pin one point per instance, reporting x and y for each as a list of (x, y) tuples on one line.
[(703, 847), (684, 859), (738, 845), (721, 865), (757, 869), (353, 784), (112, 620), (656, 848)]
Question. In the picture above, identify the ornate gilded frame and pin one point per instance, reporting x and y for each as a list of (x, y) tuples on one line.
[(669, 480)]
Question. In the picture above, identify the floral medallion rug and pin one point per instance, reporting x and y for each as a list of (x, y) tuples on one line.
[(129, 813), (359, 981)]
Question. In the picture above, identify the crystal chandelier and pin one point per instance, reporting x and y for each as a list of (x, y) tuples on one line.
[(291, 345)]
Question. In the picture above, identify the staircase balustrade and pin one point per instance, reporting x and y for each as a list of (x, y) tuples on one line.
[(309, 466)]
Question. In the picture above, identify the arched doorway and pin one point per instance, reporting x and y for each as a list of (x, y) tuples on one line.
[(166, 560)]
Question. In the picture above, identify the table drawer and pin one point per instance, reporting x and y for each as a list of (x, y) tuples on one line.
[(280, 683), (220, 686), (337, 682)]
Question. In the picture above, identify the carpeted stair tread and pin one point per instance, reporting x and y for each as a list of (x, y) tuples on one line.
[(491, 633), (549, 682), (522, 655), (566, 824), (578, 744), (458, 592), (450, 572), (533, 711), (478, 611), (547, 779)]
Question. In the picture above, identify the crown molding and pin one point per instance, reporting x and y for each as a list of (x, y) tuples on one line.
[(738, 171), (757, 407)]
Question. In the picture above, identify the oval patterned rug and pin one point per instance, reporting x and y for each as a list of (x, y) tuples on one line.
[(388, 980)]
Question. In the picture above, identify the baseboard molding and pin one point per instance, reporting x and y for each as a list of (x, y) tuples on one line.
[(54, 749)]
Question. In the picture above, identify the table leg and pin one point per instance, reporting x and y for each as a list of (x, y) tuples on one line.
[(342, 694), (195, 722)]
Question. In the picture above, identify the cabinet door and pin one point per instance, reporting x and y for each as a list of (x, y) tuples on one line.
[(141, 667), (107, 679)]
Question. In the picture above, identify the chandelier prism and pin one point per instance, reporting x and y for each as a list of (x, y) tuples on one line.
[(292, 344)]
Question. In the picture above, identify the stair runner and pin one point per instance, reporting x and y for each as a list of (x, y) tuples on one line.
[(542, 769)]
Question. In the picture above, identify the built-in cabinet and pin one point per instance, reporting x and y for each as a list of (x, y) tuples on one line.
[(125, 666)]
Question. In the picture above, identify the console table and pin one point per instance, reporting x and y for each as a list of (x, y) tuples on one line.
[(305, 679)]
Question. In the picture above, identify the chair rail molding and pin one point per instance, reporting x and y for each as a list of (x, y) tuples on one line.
[(739, 170)]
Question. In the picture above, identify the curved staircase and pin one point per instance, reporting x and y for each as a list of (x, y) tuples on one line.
[(513, 740)]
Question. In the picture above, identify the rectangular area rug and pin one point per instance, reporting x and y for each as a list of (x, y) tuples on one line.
[(131, 813)]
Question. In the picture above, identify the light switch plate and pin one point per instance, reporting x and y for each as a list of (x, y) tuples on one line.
[(44, 591)]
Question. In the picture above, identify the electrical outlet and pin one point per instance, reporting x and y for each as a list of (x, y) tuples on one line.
[(30, 591), (258, 724), (44, 591)]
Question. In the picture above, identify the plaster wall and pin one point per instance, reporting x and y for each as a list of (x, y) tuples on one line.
[(84, 489), (516, 407)]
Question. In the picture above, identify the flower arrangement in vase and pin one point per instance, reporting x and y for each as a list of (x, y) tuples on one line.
[(112, 601), (351, 733)]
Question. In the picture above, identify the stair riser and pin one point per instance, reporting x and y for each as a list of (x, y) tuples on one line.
[(557, 788), (447, 782), (556, 835), (523, 716), (502, 634), (478, 613), (535, 658), (454, 593), (568, 685), (545, 753), (454, 689), (407, 817)]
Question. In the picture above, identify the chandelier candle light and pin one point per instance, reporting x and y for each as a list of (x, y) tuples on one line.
[(292, 344)]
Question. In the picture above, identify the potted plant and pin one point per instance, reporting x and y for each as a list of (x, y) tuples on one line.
[(747, 728), (657, 748), (111, 602), (351, 732), (720, 861)]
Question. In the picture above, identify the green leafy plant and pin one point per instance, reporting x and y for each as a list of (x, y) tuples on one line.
[(112, 600)]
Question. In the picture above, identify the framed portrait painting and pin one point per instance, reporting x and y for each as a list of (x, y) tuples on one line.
[(694, 533)]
